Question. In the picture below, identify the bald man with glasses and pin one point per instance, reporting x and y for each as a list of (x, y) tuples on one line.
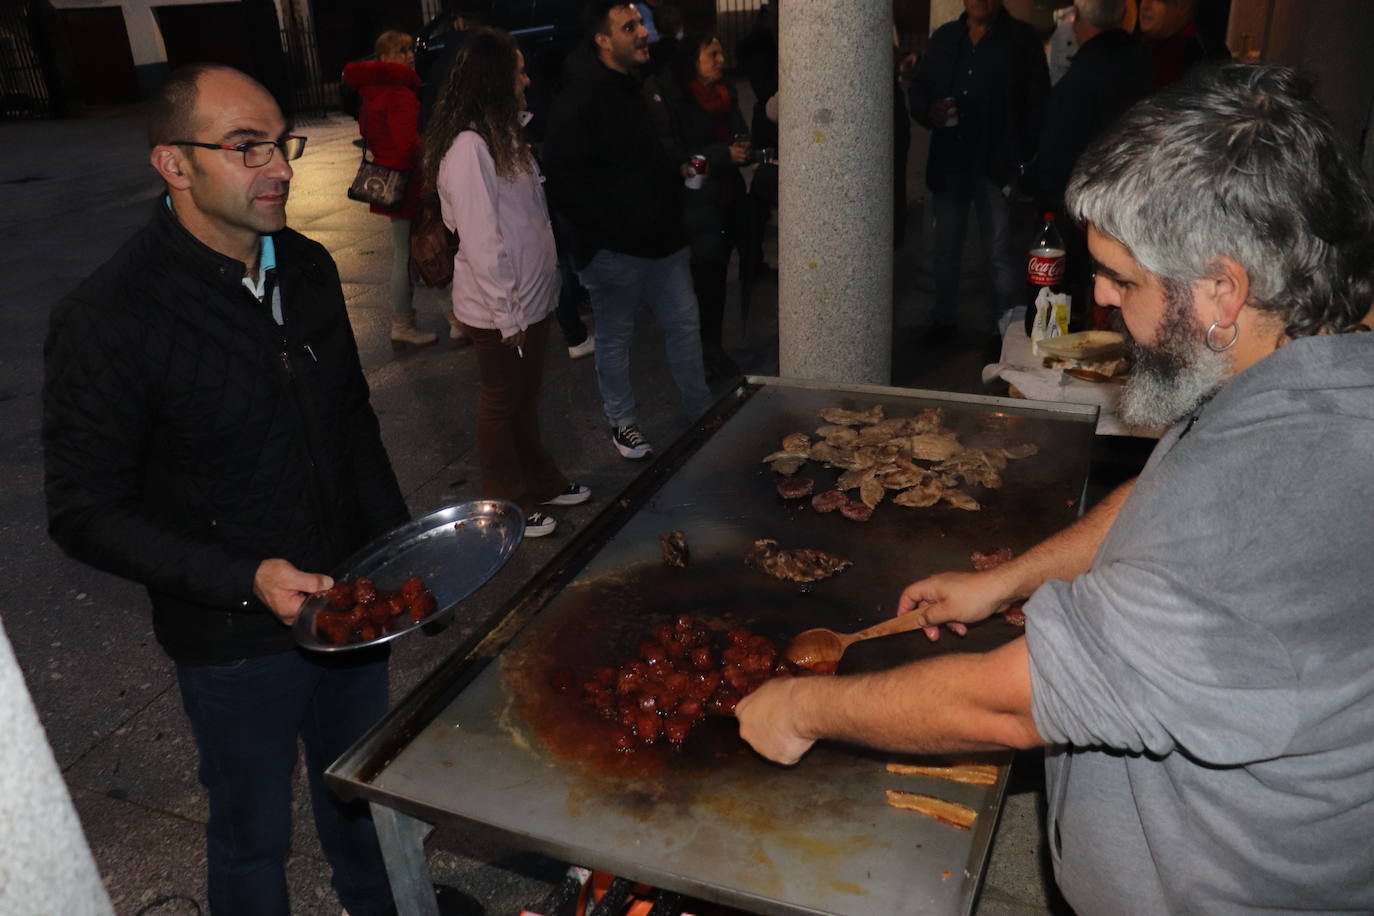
[(207, 434)]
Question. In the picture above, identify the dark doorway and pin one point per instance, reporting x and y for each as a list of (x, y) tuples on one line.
[(101, 57), (205, 33), (347, 29)]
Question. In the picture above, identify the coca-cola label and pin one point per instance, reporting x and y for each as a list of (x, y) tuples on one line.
[(1045, 270)]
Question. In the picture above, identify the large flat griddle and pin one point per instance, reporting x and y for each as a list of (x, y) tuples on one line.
[(487, 742)]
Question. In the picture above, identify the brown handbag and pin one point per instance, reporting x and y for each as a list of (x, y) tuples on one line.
[(432, 244), (379, 185)]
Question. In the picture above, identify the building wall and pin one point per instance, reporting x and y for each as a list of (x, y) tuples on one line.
[(145, 38), (1330, 39)]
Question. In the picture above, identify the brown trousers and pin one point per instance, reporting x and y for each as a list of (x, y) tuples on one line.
[(512, 457)]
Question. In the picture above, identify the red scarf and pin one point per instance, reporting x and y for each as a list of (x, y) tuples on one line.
[(714, 99)]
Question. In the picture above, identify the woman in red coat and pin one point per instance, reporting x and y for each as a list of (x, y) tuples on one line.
[(389, 121)]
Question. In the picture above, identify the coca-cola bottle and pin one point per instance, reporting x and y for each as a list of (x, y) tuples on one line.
[(1046, 269)]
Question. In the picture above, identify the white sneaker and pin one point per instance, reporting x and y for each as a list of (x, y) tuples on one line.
[(538, 525), (584, 349), (630, 442), (574, 495)]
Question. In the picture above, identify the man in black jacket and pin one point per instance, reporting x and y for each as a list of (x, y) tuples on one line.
[(1109, 73), (621, 194), (979, 89), (207, 433)]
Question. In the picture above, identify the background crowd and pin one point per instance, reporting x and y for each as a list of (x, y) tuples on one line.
[(656, 181)]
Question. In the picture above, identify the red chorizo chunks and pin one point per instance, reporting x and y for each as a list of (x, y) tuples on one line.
[(680, 671)]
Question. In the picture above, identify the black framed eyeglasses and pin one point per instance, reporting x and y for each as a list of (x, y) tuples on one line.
[(256, 153)]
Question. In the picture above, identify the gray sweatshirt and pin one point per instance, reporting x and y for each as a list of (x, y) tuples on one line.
[(1209, 684)]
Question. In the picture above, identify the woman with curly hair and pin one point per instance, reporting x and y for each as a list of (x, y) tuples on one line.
[(505, 275)]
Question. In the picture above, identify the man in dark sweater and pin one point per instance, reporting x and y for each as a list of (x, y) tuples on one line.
[(1108, 74), (980, 89), (621, 195), (207, 433)]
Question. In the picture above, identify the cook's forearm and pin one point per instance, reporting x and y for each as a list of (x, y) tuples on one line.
[(953, 703), (1069, 553)]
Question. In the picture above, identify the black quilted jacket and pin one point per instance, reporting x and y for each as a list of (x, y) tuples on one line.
[(188, 437)]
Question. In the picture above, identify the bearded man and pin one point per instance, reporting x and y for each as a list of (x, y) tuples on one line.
[(1198, 656)]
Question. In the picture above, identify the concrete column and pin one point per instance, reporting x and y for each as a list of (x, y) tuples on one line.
[(46, 866), (835, 190)]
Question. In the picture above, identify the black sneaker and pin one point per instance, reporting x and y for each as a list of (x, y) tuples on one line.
[(538, 525), (631, 442), (574, 495)]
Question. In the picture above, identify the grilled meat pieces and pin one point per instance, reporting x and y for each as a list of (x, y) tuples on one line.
[(797, 564), (674, 547)]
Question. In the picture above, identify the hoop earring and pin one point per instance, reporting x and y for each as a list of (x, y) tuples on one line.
[(1235, 332)]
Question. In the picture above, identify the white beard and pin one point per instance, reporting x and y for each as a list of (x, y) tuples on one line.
[(1175, 375)]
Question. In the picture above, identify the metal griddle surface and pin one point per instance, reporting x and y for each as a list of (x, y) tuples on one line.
[(715, 821)]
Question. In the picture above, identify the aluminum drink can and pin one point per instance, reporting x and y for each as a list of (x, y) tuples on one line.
[(697, 169), (950, 106)]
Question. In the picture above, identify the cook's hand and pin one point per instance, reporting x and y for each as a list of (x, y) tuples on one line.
[(739, 153), (953, 599), (283, 588), (768, 721), (515, 340)]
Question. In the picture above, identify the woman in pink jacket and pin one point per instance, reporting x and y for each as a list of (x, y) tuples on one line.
[(505, 274)]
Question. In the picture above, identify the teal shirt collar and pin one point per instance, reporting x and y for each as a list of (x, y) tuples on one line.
[(267, 259)]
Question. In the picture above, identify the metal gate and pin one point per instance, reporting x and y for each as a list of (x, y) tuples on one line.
[(23, 86), (310, 92)]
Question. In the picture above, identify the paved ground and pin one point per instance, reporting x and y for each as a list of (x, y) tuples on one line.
[(73, 190)]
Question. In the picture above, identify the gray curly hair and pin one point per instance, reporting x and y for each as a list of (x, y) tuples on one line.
[(1102, 14), (1240, 162)]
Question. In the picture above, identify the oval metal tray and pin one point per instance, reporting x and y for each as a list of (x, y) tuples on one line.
[(455, 550)]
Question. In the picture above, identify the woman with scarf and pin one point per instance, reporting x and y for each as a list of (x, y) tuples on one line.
[(698, 115), (505, 274)]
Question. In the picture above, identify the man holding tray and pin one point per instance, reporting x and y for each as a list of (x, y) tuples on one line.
[(1198, 653), (208, 434)]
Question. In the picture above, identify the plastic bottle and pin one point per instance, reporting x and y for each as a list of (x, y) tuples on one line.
[(1048, 302)]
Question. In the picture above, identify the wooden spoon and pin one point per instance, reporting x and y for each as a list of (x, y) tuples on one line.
[(820, 649)]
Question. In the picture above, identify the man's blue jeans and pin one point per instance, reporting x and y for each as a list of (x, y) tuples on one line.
[(617, 284), (246, 716), (950, 207)]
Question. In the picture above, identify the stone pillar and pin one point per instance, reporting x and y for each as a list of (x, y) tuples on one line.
[(46, 866), (835, 191)]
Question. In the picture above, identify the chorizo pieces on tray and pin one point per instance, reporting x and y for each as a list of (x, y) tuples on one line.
[(359, 612)]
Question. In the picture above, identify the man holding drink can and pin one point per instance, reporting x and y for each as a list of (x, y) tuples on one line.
[(979, 89)]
